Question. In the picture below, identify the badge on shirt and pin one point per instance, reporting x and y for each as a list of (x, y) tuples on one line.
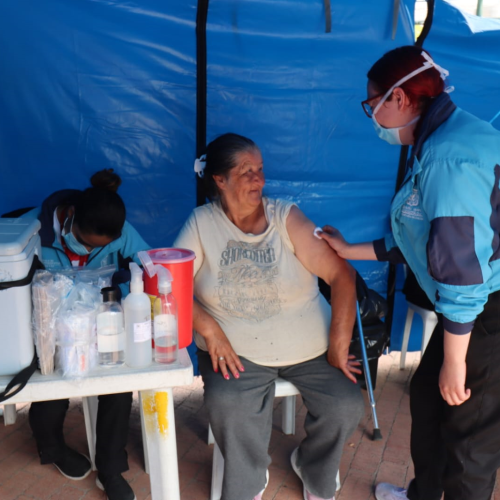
[(411, 209)]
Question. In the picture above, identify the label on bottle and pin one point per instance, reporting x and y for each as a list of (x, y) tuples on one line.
[(110, 341), (165, 324), (142, 331)]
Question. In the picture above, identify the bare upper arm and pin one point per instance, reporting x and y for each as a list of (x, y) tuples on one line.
[(314, 254)]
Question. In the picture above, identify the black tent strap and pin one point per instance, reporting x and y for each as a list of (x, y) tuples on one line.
[(427, 23), (328, 16), (201, 89), (395, 16), (403, 157)]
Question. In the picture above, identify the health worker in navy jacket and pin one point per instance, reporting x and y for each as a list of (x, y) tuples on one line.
[(445, 222), (87, 228)]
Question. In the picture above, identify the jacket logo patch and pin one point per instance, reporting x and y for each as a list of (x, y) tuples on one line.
[(411, 208)]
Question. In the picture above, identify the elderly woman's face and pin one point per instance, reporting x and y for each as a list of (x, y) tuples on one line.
[(243, 186)]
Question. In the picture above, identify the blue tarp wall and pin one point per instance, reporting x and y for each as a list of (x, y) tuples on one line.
[(92, 84)]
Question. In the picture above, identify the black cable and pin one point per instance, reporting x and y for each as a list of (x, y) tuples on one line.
[(201, 90)]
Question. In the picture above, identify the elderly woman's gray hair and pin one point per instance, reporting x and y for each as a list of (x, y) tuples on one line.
[(221, 156)]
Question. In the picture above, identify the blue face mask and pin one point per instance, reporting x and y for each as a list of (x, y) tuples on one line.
[(390, 135), (73, 244)]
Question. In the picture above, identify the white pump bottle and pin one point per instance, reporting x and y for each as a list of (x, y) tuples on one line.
[(137, 309)]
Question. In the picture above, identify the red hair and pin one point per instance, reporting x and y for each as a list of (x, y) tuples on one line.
[(398, 63)]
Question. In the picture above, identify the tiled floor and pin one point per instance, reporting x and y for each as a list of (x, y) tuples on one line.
[(364, 462)]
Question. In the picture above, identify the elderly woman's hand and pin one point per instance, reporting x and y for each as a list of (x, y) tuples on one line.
[(223, 355), (218, 345), (347, 364)]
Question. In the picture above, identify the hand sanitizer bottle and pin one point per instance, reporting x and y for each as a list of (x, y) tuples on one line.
[(137, 308)]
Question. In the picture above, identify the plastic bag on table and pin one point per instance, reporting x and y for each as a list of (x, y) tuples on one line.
[(100, 277), (75, 331), (47, 291)]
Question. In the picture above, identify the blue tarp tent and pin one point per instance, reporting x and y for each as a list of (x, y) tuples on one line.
[(92, 84)]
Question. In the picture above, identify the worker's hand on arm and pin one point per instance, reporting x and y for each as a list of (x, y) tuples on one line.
[(454, 369), (219, 348), (319, 259), (356, 251)]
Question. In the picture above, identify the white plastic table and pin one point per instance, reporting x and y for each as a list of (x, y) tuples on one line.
[(155, 385)]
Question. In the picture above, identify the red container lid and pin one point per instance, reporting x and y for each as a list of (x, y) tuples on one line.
[(171, 255)]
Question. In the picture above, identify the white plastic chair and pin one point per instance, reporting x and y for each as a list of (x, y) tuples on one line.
[(9, 413), (429, 320), (283, 389)]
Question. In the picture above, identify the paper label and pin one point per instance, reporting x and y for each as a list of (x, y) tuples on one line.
[(165, 324), (142, 331), (111, 343)]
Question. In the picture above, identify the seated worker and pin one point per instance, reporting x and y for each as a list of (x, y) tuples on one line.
[(259, 315), (87, 228)]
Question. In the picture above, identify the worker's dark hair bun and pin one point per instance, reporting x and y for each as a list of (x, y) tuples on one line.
[(99, 209), (106, 179)]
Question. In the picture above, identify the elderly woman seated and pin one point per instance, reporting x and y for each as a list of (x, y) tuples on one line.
[(258, 315)]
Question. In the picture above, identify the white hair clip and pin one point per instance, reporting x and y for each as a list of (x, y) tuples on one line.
[(200, 164), (430, 63)]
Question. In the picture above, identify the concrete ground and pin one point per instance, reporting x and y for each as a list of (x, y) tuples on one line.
[(364, 462)]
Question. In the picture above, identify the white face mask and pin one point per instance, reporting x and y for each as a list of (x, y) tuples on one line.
[(391, 135)]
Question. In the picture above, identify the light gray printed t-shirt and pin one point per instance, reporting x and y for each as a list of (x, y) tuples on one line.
[(266, 302)]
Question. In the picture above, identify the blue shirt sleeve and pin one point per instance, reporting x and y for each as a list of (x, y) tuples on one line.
[(456, 197)]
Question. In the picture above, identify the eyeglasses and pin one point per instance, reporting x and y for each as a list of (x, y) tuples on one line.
[(367, 107)]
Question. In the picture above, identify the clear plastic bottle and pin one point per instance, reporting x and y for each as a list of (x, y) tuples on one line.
[(137, 308), (165, 319), (110, 331)]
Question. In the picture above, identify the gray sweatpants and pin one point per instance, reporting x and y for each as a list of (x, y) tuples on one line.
[(240, 413)]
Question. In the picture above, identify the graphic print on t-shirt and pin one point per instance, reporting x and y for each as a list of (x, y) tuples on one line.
[(247, 281)]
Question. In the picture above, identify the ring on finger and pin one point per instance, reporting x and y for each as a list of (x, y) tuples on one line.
[(221, 358)]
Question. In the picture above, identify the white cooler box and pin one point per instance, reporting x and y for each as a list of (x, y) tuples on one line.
[(19, 243)]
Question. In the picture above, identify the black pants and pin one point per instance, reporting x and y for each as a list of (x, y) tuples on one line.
[(47, 419), (456, 449)]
